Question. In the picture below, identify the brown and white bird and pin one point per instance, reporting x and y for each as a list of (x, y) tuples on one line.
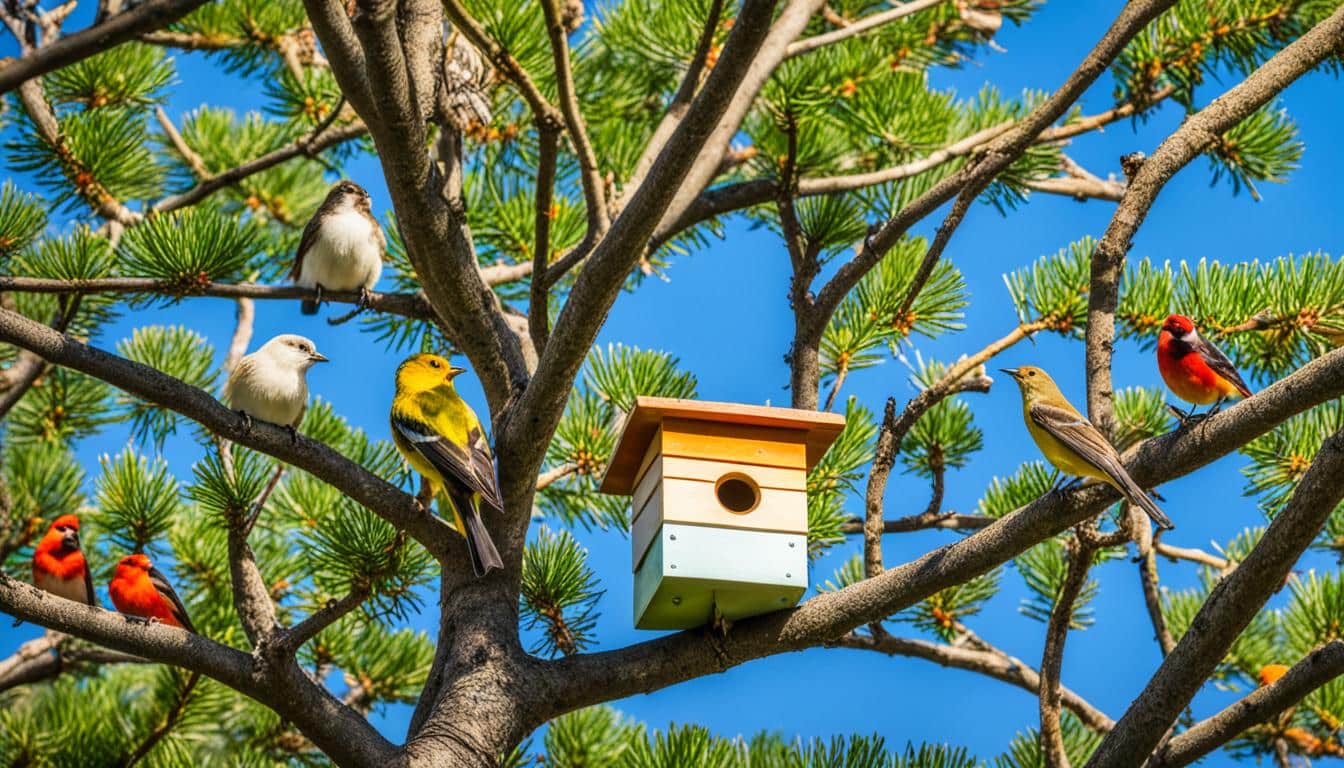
[(341, 248), (466, 81), (271, 384)]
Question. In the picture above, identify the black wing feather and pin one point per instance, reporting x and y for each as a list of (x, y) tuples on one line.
[(473, 467), (305, 242), (162, 586), (1215, 359)]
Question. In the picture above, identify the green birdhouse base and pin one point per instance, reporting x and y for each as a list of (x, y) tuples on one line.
[(690, 570)]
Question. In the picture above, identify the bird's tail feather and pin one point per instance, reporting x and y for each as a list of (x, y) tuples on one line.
[(1137, 495), (484, 556), (308, 307)]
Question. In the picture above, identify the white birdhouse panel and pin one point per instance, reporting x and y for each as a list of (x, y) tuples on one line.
[(733, 500)]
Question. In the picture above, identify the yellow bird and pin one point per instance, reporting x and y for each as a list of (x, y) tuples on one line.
[(438, 433), (1071, 443)]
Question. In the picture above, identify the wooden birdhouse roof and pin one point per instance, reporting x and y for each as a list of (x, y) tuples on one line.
[(818, 430)]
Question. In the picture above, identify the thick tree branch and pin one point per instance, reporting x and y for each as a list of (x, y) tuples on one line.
[(1000, 154), (1230, 607), (922, 521), (44, 658), (993, 663), (251, 598), (600, 282), (1318, 668), (585, 679), (412, 305), (51, 56), (294, 637), (343, 735), (385, 500), (538, 303), (1196, 134), (1152, 599)]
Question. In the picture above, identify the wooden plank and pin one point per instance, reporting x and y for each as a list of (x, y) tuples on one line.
[(647, 482), (694, 502), (727, 442), (819, 430), (789, 479), (645, 525)]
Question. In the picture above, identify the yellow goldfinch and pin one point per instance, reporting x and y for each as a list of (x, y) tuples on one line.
[(271, 384), (439, 434), (1071, 443)]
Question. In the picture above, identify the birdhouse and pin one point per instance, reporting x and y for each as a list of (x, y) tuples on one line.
[(719, 506)]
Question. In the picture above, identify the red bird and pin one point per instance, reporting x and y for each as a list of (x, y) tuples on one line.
[(1198, 372), (58, 563), (139, 589)]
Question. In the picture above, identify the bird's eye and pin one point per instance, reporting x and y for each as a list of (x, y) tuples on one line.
[(433, 363), (1031, 373)]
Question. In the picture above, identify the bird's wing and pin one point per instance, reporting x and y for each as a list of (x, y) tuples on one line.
[(471, 465), (305, 242), (1077, 434), (165, 589), (88, 585), (1215, 359)]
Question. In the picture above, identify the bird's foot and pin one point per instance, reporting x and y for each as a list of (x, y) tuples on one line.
[(139, 620), (247, 421), (293, 434), (318, 287), (365, 300), (425, 498), (720, 624)]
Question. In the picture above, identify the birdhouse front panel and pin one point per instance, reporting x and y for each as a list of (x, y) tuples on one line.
[(719, 505)]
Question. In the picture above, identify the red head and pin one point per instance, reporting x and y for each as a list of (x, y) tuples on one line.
[(1178, 325), (137, 562), (62, 537)]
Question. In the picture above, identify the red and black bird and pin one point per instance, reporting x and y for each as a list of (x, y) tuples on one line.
[(1197, 371)]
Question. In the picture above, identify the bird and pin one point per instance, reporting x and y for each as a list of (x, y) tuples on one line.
[(139, 589), (58, 563), (271, 384), (341, 248), (1071, 443), (1197, 371), (441, 437)]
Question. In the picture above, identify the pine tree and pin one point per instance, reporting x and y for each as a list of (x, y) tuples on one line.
[(542, 157)]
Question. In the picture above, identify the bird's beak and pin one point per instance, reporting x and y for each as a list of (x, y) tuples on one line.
[(70, 539), (1010, 371), (454, 372), (318, 357)]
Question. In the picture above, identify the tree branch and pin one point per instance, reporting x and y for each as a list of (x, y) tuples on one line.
[(1052, 658), (538, 303), (993, 663), (1152, 598), (379, 496), (293, 638), (860, 26), (584, 679), (46, 657), (1000, 154), (1318, 668), (143, 17), (1230, 607), (1195, 135), (343, 735), (590, 176), (922, 521), (412, 305)]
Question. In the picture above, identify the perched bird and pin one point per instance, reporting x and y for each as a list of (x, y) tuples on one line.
[(437, 432), (1071, 443), (139, 589), (341, 248), (58, 562), (271, 384), (1270, 673), (1198, 372)]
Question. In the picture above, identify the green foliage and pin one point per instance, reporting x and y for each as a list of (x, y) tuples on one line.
[(559, 593), (185, 249), (868, 317), (81, 256), (942, 612), (1009, 494), (138, 501), (1044, 568), (1139, 414), (131, 75), (43, 481), (22, 218), (1315, 614), (849, 573), (1263, 147), (623, 373), (177, 351), (65, 406), (1279, 458), (1054, 289), (102, 156), (1025, 749), (837, 475), (944, 436), (592, 736)]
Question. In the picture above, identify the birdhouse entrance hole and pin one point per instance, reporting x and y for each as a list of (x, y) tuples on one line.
[(738, 493)]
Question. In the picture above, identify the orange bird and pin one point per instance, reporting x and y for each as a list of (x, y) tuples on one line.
[(139, 589), (1198, 372), (58, 562)]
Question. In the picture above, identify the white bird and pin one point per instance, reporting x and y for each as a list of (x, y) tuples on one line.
[(271, 384), (341, 248)]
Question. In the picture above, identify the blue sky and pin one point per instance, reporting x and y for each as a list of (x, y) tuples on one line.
[(723, 313)]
